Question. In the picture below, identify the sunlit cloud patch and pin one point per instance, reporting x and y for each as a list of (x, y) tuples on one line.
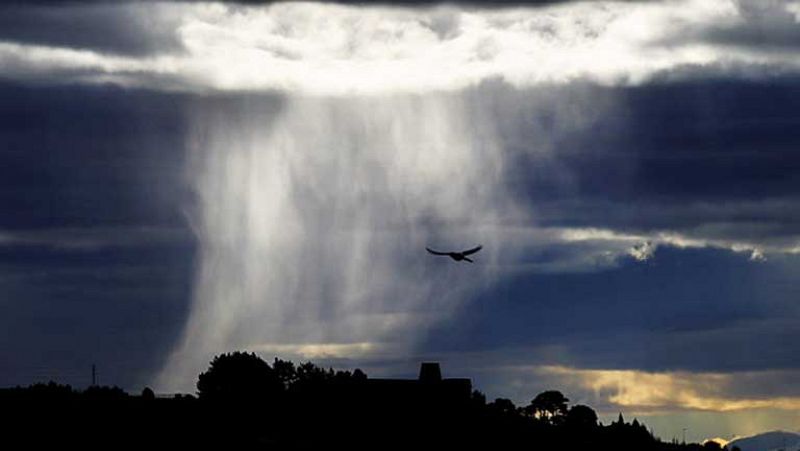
[(640, 391)]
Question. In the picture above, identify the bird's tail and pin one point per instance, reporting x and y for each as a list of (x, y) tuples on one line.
[(468, 259)]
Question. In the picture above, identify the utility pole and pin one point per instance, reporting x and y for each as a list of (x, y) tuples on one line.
[(684, 435), (94, 375)]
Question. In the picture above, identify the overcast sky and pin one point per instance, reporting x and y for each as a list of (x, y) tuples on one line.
[(183, 179)]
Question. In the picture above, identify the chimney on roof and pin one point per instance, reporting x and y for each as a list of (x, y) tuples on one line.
[(430, 372)]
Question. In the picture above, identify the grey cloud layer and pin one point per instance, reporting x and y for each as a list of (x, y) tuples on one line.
[(766, 25), (130, 29)]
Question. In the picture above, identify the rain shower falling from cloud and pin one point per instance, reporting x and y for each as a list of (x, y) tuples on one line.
[(313, 218), (382, 135)]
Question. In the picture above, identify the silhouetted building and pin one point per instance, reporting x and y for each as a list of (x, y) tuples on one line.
[(429, 372), (429, 389)]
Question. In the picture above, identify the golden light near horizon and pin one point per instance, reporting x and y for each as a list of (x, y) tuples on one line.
[(653, 392)]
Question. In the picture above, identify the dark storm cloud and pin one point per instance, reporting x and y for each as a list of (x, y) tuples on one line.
[(698, 311), (718, 138), (96, 249), (64, 311), (762, 25), (90, 157), (95, 253), (98, 237), (104, 27), (709, 158)]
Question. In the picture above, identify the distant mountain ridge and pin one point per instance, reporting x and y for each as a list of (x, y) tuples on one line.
[(768, 441)]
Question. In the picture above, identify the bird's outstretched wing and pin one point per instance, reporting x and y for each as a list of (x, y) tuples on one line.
[(472, 251), (435, 252)]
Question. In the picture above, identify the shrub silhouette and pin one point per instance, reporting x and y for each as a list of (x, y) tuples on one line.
[(503, 406), (239, 376), (104, 393), (148, 394)]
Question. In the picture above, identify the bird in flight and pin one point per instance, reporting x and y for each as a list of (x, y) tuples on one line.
[(457, 256)]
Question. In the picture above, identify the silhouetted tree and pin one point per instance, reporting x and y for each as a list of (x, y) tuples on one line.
[(550, 406), (311, 377), (711, 445), (478, 398), (342, 377), (285, 372), (50, 391), (359, 375), (239, 376), (581, 417), (104, 393)]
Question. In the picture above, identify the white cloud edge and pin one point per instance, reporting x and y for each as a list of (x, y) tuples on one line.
[(644, 245), (590, 249), (597, 248)]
